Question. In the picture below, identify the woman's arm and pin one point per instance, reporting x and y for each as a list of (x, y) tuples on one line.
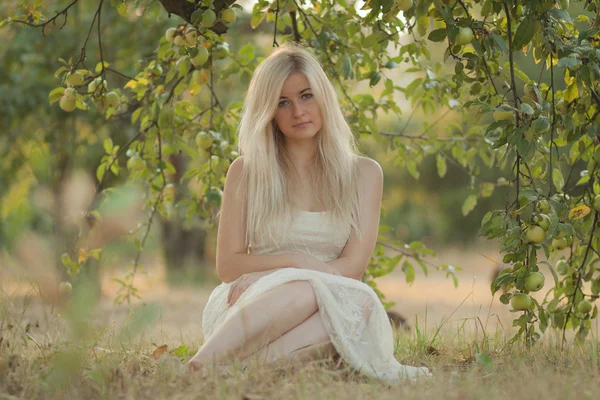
[(354, 259)]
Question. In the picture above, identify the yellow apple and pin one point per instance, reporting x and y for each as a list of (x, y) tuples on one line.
[(200, 58), (75, 79), (170, 34), (67, 104), (228, 15), (535, 234)]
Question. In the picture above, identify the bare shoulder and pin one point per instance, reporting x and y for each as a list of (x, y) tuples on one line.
[(370, 170), (236, 168)]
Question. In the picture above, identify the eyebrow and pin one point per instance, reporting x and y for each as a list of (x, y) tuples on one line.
[(302, 91)]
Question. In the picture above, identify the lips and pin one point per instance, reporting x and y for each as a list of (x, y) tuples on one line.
[(300, 125)]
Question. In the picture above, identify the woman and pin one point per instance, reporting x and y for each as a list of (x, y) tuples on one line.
[(298, 223)]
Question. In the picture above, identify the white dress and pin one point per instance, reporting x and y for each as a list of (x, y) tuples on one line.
[(355, 319)]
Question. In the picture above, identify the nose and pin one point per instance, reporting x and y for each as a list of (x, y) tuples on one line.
[(298, 110)]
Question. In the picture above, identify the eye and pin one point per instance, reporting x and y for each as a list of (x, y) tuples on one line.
[(307, 94), (282, 103)]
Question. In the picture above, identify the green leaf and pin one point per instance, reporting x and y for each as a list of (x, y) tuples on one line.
[(99, 66), (557, 179), (108, 145), (469, 204), (437, 35), (246, 54), (257, 16), (524, 33), (347, 67), (55, 95), (441, 165), (409, 271)]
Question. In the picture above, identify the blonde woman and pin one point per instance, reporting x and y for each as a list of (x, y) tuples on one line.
[(297, 226)]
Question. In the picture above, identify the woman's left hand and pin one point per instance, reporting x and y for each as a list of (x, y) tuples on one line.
[(239, 286)]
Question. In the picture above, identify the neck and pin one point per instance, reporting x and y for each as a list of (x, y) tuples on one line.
[(302, 153)]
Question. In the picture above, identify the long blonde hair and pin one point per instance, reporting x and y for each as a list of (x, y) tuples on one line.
[(268, 173)]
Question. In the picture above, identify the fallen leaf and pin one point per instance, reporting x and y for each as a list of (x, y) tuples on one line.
[(160, 350)]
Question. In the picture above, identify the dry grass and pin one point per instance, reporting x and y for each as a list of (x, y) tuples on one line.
[(90, 349), (58, 353)]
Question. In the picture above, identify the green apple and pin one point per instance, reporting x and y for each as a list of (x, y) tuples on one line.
[(179, 40), (534, 281), (228, 15), (204, 140), (543, 221), (70, 93), (75, 79), (464, 36), (528, 89), (543, 206), (520, 301), (65, 288), (597, 202), (584, 306), (221, 50), (111, 99), (200, 58), (136, 163), (559, 244), (67, 104), (404, 5), (191, 38), (208, 18), (502, 115), (170, 34), (535, 234), (562, 266), (562, 106)]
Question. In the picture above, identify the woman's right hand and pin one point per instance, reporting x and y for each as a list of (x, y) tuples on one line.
[(306, 261)]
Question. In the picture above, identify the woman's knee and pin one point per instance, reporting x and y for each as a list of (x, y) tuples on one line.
[(301, 295)]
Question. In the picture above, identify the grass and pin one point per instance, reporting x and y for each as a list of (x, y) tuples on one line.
[(73, 351)]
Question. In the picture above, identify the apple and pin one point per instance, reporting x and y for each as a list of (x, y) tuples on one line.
[(502, 115), (221, 50), (520, 301), (543, 221), (562, 266), (136, 163), (464, 36), (404, 5), (596, 204), (534, 281), (543, 206), (70, 93), (559, 244), (179, 40), (75, 79), (208, 18), (228, 15), (528, 89), (535, 234), (111, 99), (562, 106), (191, 38), (67, 104), (200, 58), (170, 34), (204, 140), (584, 306), (93, 85), (65, 288)]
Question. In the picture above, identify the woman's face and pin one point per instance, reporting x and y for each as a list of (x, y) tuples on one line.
[(298, 114)]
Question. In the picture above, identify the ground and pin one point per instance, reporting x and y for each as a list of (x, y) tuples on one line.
[(460, 333)]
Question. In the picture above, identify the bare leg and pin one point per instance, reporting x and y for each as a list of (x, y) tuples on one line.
[(309, 332), (258, 323)]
